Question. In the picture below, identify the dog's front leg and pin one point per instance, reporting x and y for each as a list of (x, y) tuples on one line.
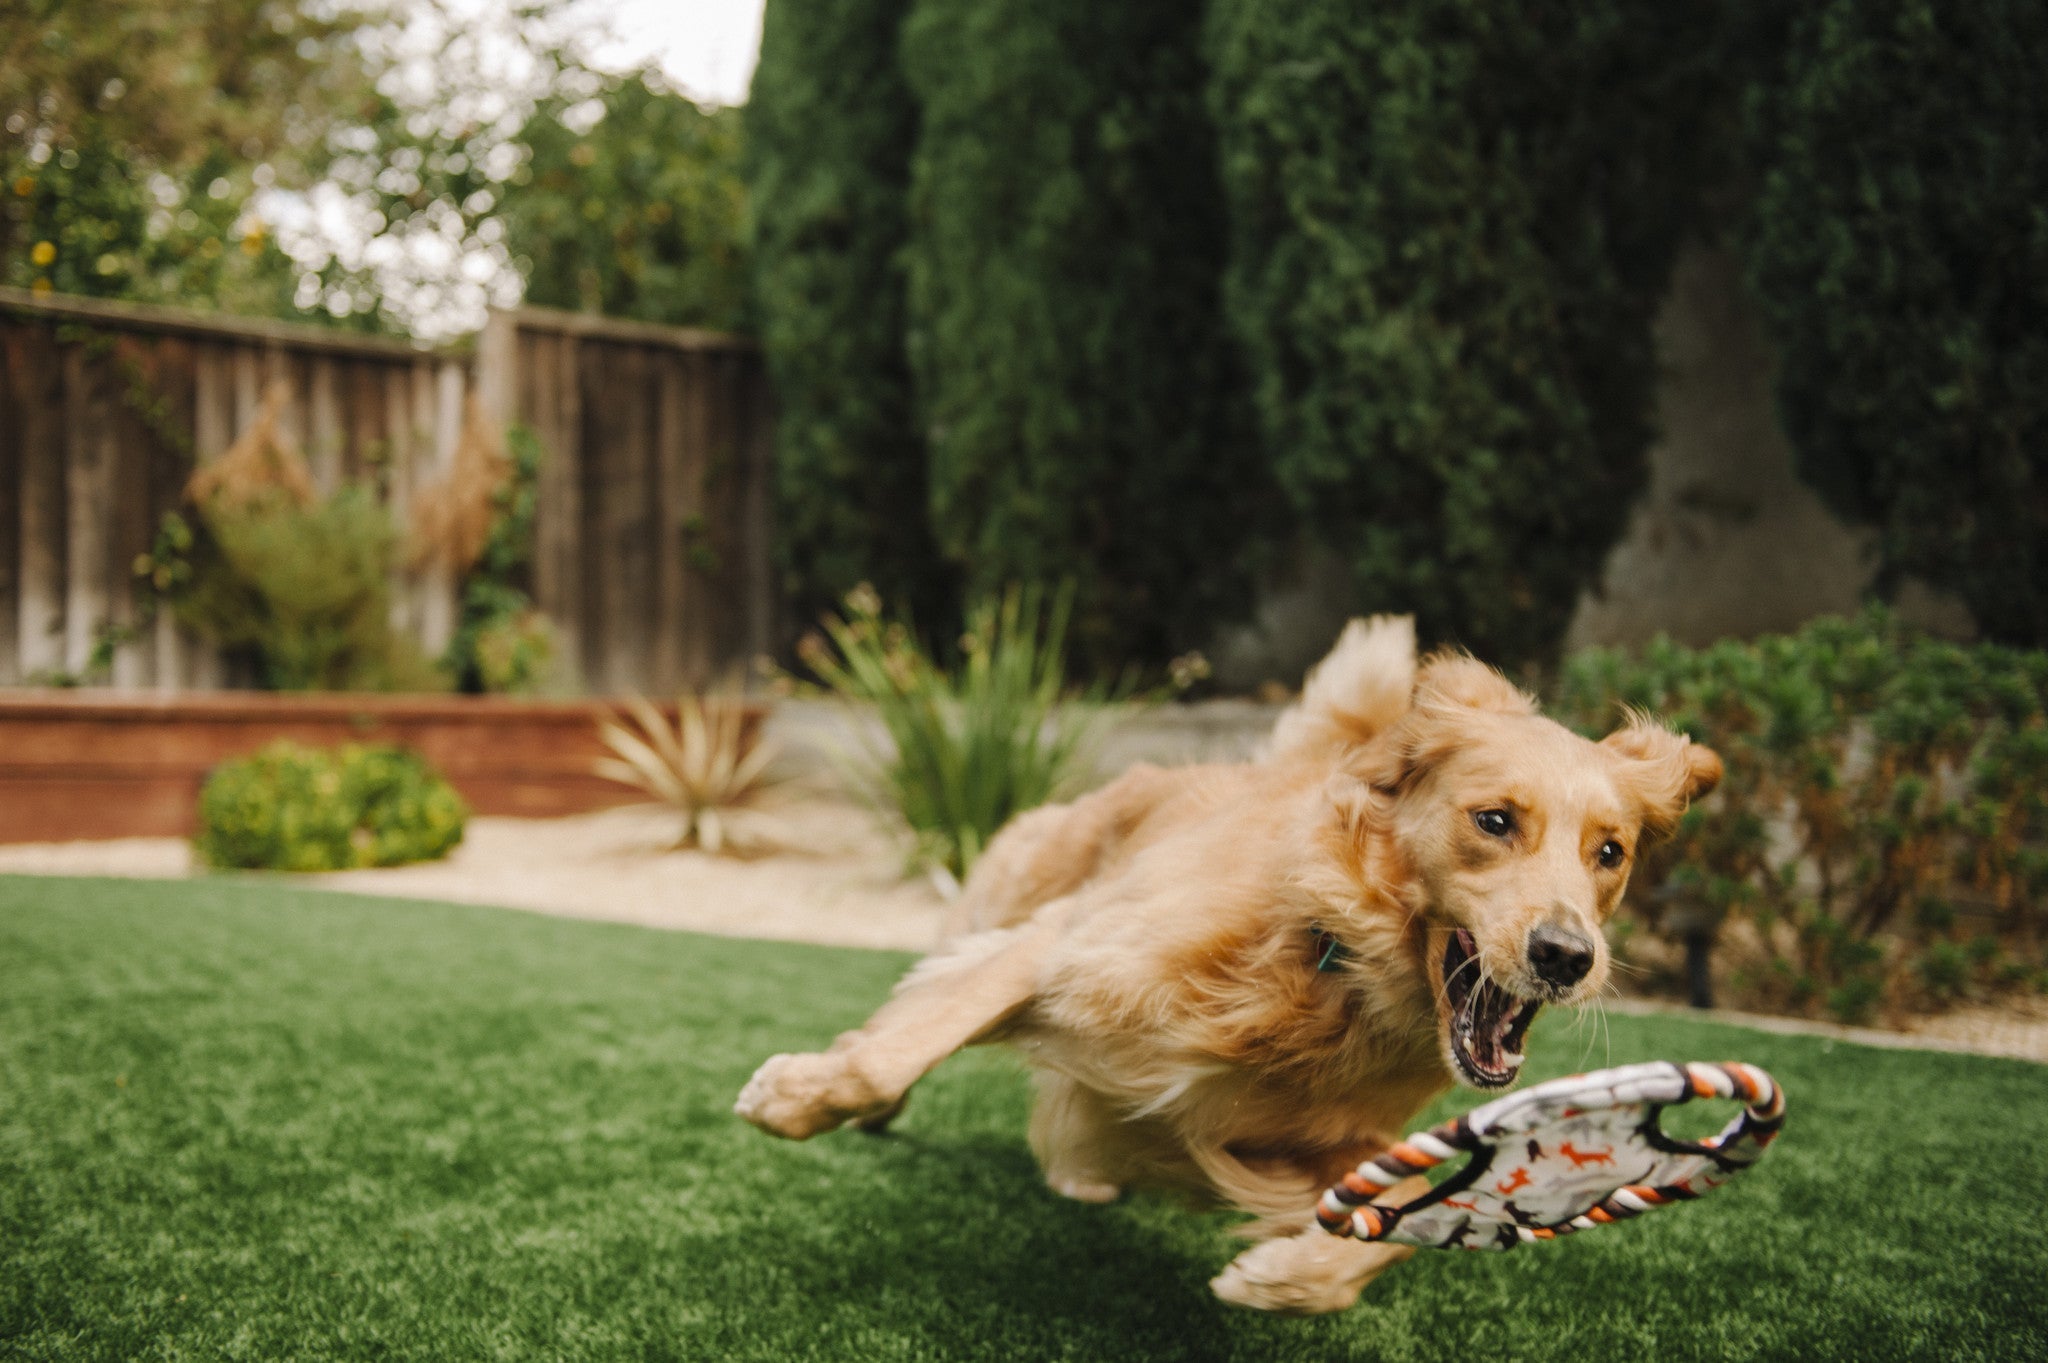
[(952, 999), (1312, 1271)]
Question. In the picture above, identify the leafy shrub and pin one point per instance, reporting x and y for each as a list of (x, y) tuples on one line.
[(830, 129), (1077, 387), (971, 748), (711, 766), (1452, 222), (292, 808), (1881, 837), (1899, 250), (300, 589), (641, 215)]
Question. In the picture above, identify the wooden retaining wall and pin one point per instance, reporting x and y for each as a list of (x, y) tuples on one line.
[(654, 554)]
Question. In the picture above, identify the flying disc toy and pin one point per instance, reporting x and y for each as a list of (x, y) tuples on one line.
[(1564, 1156)]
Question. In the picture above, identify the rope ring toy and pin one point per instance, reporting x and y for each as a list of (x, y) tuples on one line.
[(1561, 1157)]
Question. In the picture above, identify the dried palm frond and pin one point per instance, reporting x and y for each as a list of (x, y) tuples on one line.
[(711, 766), (451, 519), (260, 462)]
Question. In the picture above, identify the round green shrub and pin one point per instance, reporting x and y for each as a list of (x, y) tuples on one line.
[(293, 808)]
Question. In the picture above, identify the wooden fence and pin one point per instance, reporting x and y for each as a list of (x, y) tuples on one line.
[(653, 526)]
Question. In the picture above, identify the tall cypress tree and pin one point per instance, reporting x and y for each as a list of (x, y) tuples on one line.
[(1453, 222), (1077, 387), (830, 130), (1899, 247)]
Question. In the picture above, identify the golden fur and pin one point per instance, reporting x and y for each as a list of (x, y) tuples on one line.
[(1151, 948)]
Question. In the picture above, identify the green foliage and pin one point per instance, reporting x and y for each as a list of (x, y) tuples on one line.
[(643, 215), (136, 136), (830, 128), (1076, 386), (972, 748), (1900, 250), (301, 591), (1881, 837), (292, 808), (1452, 222), (501, 643)]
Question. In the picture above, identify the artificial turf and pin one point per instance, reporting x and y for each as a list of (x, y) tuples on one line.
[(241, 1120)]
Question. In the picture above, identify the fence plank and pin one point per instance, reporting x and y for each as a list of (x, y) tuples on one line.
[(11, 414), (171, 378), (129, 395), (559, 516), (325, 435), (40, 620), (669, 665), (89, 454)]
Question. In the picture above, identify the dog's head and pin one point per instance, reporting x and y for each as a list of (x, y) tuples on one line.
[(1517, 837)]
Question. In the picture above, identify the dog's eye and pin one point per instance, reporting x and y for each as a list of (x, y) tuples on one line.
[(1612, 854), (1496, 823)]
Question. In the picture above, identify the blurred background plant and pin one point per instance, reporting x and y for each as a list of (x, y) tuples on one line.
[(479, 524), (1880, 843), (136, 137), (967, 748), (712, 767), (293, 808), (297, 584)]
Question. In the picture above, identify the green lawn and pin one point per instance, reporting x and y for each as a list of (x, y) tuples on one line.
[(245, 1121)]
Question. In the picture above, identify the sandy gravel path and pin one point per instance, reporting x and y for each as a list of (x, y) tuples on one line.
[(837, 880)]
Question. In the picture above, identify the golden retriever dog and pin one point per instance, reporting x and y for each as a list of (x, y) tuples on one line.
[(1237, 982)]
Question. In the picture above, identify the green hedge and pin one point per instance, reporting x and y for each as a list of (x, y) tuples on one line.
[(1880, 841), (1076, 383), (1899, 246), (1453, 221), (291, 808), (830, 129)]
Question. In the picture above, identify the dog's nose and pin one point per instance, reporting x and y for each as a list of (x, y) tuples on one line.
[(1560, 956)]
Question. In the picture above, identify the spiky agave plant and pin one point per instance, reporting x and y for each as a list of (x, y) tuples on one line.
[(712, 766)]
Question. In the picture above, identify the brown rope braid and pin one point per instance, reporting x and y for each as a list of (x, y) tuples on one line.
[(1561, 1157)]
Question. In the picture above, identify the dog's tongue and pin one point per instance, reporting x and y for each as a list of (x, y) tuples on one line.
[(1493, 1018)]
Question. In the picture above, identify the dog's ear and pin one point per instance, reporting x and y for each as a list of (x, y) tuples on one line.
[(1665, 771), (1449, 686), (1459, 679)]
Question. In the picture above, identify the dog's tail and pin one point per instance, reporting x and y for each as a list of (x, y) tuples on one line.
[(1360, 689)]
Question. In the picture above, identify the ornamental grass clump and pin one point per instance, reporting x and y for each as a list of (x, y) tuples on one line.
[(968, 748), (293, 808), (1880, 842), (712, 766)]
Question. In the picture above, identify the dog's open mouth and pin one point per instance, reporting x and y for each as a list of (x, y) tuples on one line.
[(1487, 1022)]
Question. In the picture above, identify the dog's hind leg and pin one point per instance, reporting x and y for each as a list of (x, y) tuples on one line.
[(955, 998)]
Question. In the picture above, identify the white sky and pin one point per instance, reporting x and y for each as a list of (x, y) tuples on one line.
[(706, 46)]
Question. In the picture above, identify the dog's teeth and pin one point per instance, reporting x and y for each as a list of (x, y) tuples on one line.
[(1511, 1058)]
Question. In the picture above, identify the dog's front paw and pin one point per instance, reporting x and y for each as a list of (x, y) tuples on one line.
[(1292, 1276), (799, 1096)]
